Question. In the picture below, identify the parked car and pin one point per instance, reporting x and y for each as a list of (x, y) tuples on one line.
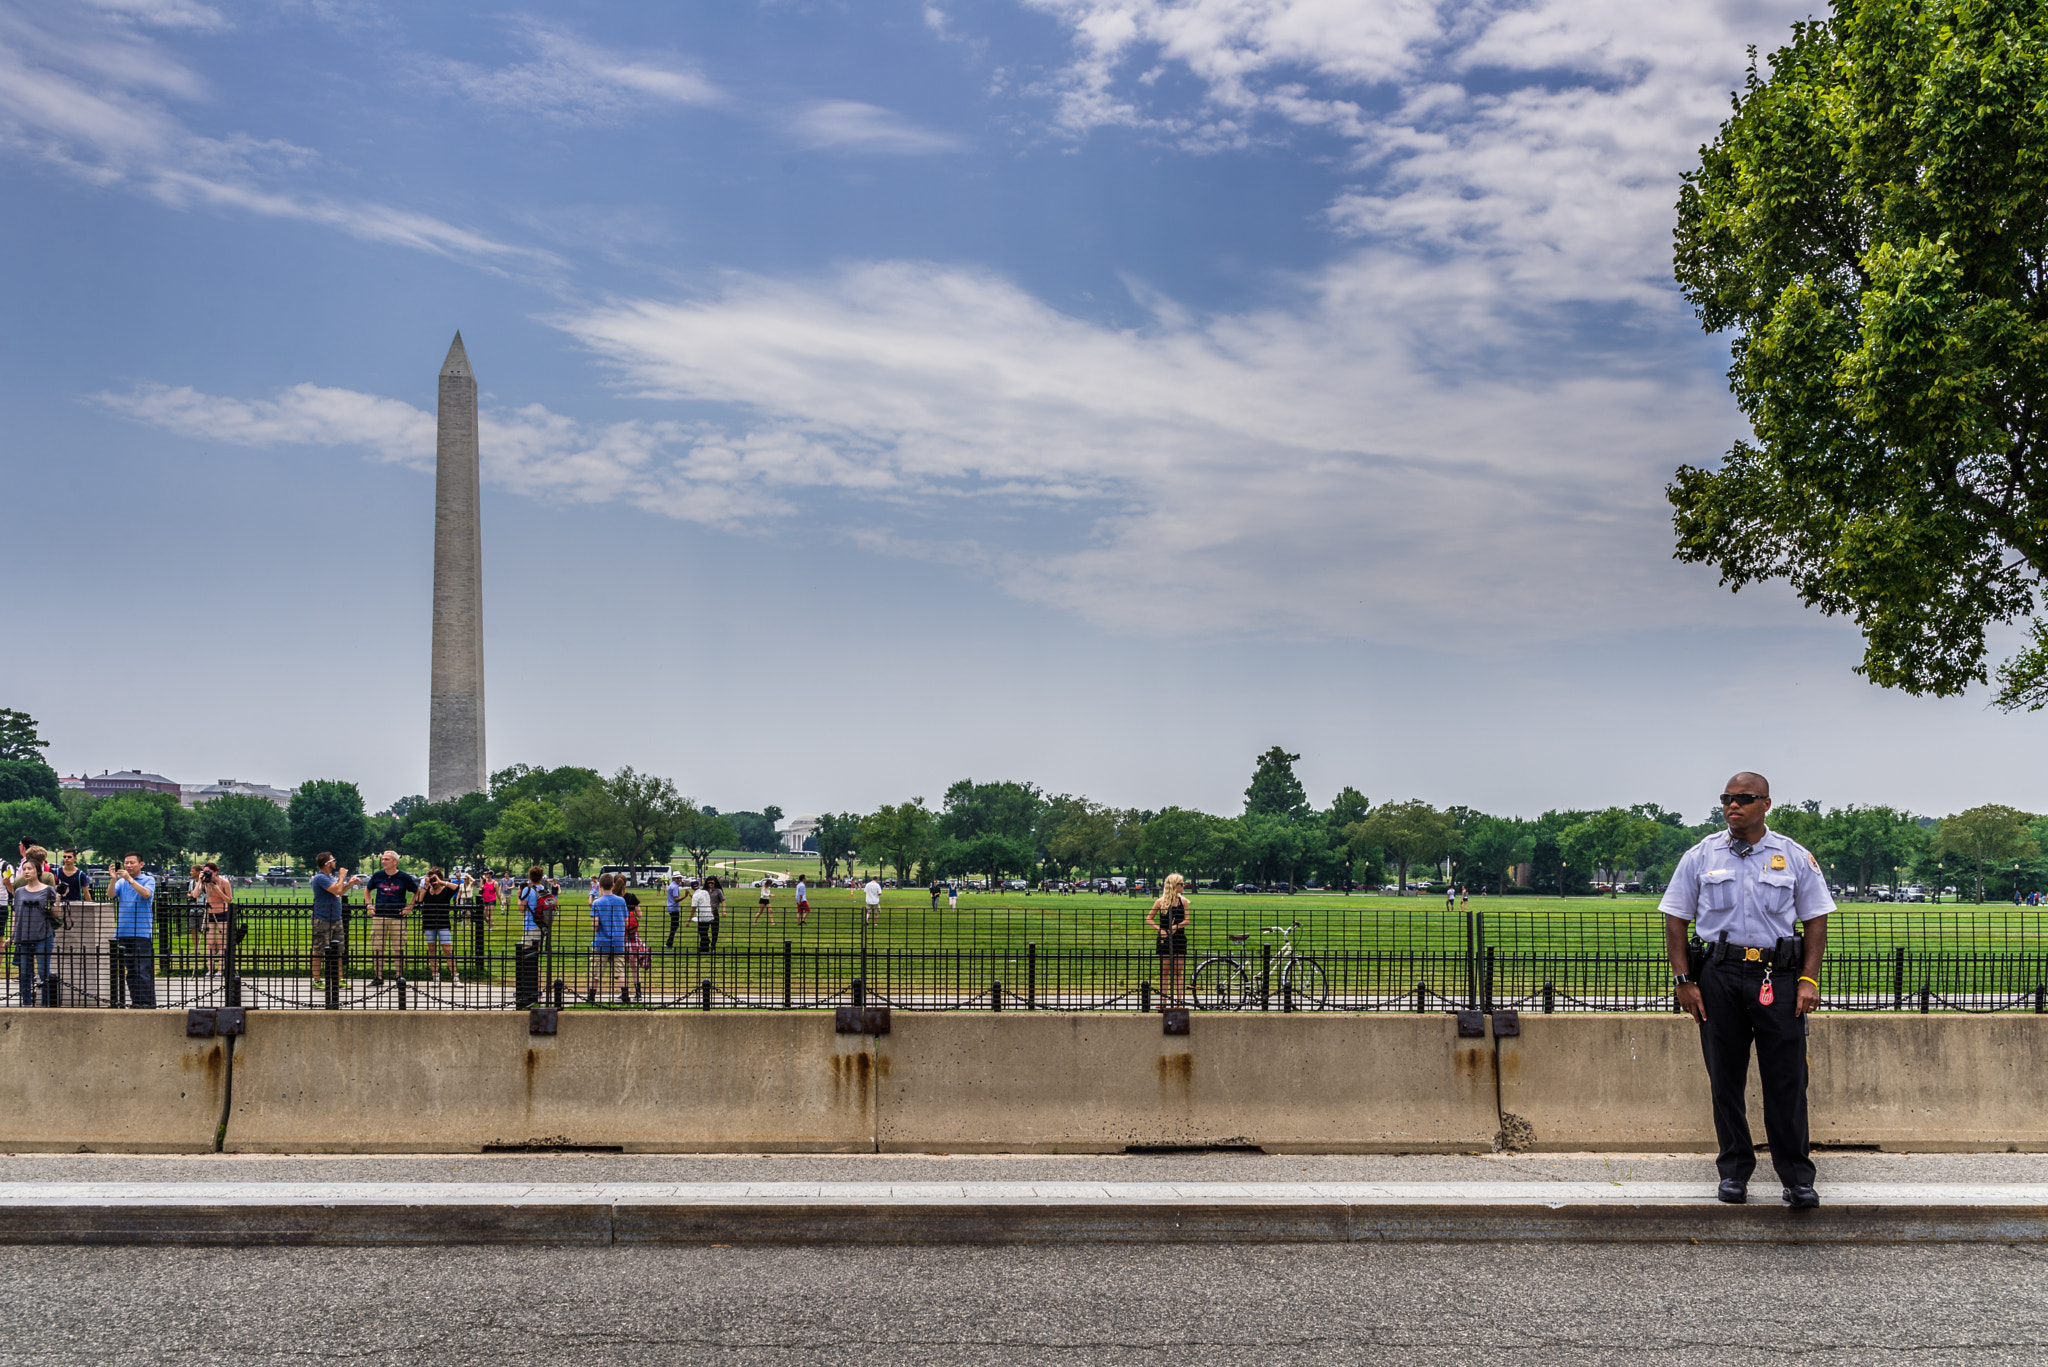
[(1245, 887)]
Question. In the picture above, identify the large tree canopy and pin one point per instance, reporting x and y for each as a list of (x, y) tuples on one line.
[(1872, 226)]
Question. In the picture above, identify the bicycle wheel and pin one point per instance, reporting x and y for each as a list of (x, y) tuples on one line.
[(1222, 985), (1307, 983)]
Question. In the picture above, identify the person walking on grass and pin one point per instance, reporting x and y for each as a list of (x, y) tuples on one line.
[(873, 890), (677, 894), (538, 898), (767, 904), (704, 911), (608, 913), (803, 900), (953, 894), (437, 925), (639, 957), (36, 917), (390, 893), (330, 886), (1169, 921), (936, 889)]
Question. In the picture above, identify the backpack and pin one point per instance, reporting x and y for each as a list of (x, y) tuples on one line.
[(544, 908)]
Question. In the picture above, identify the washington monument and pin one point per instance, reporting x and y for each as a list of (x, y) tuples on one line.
[(455, 727)]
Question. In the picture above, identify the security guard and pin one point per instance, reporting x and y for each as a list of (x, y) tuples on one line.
[(1750, 977)]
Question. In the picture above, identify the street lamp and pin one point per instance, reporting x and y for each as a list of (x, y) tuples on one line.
[(1895, 882), (1938, 881)]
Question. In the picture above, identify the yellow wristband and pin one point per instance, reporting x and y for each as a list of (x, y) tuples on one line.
[(1815, 981)]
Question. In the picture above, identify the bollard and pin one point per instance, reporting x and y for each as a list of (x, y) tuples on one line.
[(557, 994), (1486, 982), (860, 995), (332, 969), (1031, 976), (2040, 1000), (1418, 999), (787, 956), (525, 977), (995, 996), (704, 988), (1925, 994), (401, 992), (1286, 996), (1550, 999), (1145, 995)]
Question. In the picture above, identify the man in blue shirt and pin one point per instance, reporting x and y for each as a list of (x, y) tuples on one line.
[(330, 885), (1749, 890), (607, 937), (135, 929)]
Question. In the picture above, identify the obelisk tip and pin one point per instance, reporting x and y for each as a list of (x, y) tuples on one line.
[(458, 360)]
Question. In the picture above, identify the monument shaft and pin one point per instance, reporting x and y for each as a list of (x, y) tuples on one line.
[(455, 732)]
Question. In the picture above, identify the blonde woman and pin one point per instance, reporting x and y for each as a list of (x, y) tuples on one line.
[(1169, 921)]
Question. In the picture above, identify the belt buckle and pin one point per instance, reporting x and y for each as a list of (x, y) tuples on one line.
[(1752, 956)]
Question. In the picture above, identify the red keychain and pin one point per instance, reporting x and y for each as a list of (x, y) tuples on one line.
[(1765, 996)]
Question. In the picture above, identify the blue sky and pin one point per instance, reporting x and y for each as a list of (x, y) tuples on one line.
[(1088, 391)]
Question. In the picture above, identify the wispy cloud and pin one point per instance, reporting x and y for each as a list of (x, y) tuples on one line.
[(575, 80), (89, 95), (165, 13), (850, 126)]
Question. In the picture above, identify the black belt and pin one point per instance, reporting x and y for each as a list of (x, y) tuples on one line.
[(1723, 951)]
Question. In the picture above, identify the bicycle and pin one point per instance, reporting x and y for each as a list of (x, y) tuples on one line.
[(1224, 982)]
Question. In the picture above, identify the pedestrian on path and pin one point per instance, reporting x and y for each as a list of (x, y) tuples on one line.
[(135, 929), (330, 915), (607, 940), (538, 899), (873, 892), (219, 892), (803, 900), (36, 917), (1169, 921), (1749, 977), (767, 904), (953, 894), (437, 925), (390, 893), (639, 956), (676, 894)]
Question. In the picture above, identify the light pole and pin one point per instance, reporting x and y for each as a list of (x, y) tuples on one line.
[(1938, 880), (1895, 882)]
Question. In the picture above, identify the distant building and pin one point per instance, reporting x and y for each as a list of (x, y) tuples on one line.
[(800, 834), (192, 794), (130, 781), (71, 783)]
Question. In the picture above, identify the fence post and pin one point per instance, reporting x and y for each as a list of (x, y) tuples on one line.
[(1925, 997), (1550, 999), (1265, 974), (1486, 983), (401, 992), (1898, 978), (704, 989), (117, 981), (788, 956), (1031, 976), (231, 969), (995, 996), (1418, 999), (556, 993), (332, 969), (1482, 961), (1145, 995)]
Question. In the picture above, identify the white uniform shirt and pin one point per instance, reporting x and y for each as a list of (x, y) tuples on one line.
[(700, 900), (874, 891), (1755, 899)]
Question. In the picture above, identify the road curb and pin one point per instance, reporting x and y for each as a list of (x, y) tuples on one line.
[(374, 1224)]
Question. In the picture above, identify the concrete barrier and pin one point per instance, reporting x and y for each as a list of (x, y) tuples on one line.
[(1041, 1081), (433, 1082), (89, 1081), (1636, 1081)]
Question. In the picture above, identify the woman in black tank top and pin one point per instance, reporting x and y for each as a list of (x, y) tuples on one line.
[(1169, 921)]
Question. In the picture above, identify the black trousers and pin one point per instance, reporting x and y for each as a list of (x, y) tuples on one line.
[(1735, 1021), (707, 936)]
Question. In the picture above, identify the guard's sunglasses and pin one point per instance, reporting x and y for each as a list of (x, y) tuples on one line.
[(1740, 799)]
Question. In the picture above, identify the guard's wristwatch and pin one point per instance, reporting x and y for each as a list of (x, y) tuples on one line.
[(1683, 980)]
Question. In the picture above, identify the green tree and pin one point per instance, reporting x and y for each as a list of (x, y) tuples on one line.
[(239, 830), (327, 815), (836, 837), (1866, 844), (753, 831), (19, 742), (531, 831), (34, 820), (518, 781), (21, 779), (1274, 790), (702, 831), (77, 808), (630, 815), (1494, 845), (900, 834), (1271, 845), (1078, 834), (1007, 809), (1411, 832), (435, 843), (152, 825), (1612, 840), (1987, 835), (1870, 224), (1178, 840)]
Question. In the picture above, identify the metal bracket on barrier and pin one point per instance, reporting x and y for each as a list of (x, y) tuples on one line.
[(229, 1020), (1471, 1025), (1175, 1020), (1507, 1024), (541, 1020), (861, 1020), (200, 1022)]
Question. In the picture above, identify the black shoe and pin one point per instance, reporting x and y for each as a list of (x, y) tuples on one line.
[(1733, 1192), (1802, 1198)]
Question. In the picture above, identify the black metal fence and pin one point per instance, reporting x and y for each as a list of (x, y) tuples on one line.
[(1534, 957)]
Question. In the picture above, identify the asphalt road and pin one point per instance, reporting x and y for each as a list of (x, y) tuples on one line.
[(1425, 1304)]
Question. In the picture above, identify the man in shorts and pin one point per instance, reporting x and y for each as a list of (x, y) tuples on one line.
[(874, 898), (390, 895), (803, 900), (330, 914), (607, 939)]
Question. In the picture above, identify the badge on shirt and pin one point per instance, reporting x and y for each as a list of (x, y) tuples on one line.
[(1777, 861)]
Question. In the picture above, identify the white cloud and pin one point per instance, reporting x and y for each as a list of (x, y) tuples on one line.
[(850, 126), (165, 13), (579, 81), (89, 96)]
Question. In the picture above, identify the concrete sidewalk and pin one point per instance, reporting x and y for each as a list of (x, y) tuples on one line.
[(410, 1213)]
